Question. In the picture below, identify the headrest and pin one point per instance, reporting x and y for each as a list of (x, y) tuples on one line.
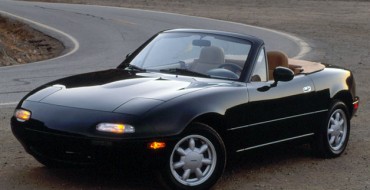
[(277, 58), (212, 55)]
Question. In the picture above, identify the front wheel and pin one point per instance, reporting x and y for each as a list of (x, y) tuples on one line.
[(197, 160), (332, 137)]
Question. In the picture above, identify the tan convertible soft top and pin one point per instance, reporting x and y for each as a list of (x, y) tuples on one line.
[(305, 66), (277, 58)]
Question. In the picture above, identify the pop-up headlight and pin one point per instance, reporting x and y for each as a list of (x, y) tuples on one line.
[(116, 128)]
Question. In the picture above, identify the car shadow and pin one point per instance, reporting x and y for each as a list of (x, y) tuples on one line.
[(95, 178), (270, 155), (108, 177), (252, 164)]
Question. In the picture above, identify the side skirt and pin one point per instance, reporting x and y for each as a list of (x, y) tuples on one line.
[(275, 142)]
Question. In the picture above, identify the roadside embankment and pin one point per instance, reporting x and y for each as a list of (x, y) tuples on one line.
[(20, 44)]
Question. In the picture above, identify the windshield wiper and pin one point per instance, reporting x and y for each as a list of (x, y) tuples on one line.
[(134, 67), (183, 72)]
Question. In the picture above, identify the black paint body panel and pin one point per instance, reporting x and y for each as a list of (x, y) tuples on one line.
[(160, 106)]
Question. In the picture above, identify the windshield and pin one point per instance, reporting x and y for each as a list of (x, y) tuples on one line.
[(195, 54)]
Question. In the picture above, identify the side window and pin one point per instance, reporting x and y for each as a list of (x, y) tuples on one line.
[(260, 69)]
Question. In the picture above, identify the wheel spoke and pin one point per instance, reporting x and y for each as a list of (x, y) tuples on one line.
[(330, 131), (199, 173), (337, 116), (332, 138), (181, 151), (337, 140), (203, 149), (341, 122), (191, 144), (207, 161), (178, 165), (186, 174), (332, 120)]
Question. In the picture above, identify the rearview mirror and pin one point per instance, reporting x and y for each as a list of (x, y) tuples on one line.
[(202, 43)]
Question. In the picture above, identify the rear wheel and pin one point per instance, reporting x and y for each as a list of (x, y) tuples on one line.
[(332, 137), (197, 160)]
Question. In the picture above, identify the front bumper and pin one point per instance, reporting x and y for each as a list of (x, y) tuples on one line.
[(77, 149)]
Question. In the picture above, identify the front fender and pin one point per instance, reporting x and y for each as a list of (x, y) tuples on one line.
[(172, 117)]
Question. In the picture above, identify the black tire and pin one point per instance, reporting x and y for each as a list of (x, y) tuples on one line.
[(203, 159), (332, 136)]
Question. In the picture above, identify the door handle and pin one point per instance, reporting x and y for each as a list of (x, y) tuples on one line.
[(307, 89)]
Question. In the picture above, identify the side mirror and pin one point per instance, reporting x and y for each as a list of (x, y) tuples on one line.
[(282, 74), (128, 55)]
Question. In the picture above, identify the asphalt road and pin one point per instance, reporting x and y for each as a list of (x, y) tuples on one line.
[(99, 38), (96, 38)]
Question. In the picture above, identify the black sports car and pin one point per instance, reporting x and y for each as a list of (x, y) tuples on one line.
[(184, 101)]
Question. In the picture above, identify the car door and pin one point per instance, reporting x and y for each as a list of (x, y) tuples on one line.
[(278, 113)]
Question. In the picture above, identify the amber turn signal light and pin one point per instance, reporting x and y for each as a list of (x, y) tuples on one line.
[(22, 115), (157, 145)]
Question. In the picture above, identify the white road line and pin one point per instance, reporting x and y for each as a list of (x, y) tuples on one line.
[(73, 40), (8, 104), (304, 46)]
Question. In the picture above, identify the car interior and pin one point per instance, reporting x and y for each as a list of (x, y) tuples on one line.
[(277, 58)]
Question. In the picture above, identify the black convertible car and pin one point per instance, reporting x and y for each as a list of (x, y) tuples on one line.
[(183, 102)]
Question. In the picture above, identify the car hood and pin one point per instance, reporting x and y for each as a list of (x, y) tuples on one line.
[(116, 90)]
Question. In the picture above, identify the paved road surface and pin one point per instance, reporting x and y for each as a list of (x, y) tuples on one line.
[(99, 37), (96, 38)]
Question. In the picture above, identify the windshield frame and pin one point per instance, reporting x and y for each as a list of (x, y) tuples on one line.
[(253, 42)]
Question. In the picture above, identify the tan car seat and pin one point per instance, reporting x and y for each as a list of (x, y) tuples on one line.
[(276, 59), (210, 57)]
